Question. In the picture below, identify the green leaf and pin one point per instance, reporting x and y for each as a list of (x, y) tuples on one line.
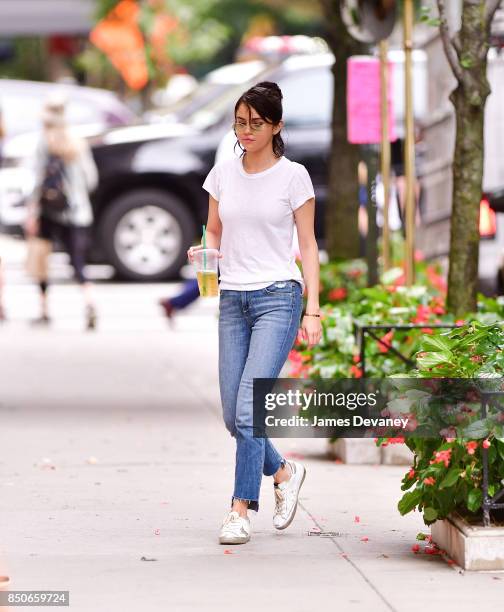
[(436, 342), (466, 62), (500, 448), (477, 430), (431, 359), (474, 499), (451, 478), (430, 514), (409, 500)]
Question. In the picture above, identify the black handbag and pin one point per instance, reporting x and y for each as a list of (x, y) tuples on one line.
[(53, 198)]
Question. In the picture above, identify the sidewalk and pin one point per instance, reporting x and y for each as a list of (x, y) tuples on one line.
[(113, 450)]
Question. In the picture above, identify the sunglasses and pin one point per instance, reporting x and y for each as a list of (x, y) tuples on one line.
[(255, 126)]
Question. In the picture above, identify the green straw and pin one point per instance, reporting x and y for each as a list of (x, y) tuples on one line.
[(204, 248)]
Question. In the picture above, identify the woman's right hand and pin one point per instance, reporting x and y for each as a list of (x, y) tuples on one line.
[(192, 250)]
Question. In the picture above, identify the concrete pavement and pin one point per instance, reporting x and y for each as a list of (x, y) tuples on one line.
[(116, 471)]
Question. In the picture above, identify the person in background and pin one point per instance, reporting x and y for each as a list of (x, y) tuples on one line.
[(59, 208), (188, 295)]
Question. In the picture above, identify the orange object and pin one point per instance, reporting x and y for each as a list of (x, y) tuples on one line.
[(120, 38), (487, 220)]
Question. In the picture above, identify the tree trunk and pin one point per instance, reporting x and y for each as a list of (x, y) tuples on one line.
[(341, 231), (469, 100), (467, 191)]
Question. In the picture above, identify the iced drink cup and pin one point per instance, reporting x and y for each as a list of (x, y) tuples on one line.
[(206, 264)]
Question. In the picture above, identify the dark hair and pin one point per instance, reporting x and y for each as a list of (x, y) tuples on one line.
[(266, 99)]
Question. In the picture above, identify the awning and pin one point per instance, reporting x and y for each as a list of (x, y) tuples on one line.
[(45, 17)]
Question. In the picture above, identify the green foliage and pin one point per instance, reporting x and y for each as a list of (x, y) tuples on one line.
[(426, 17), (29, 61), (447, 473)]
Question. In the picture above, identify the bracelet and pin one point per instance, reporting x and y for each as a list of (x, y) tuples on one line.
[(311, 315)]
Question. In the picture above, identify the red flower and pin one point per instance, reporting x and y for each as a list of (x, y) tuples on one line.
[(415, 548), (427, 330), (354, 273), (442, 457), (299, 365), (387, 339), (339, 293), (411, 473), (459, 322), (429, 481), (486, 444), (356, 358), (471, 447), (422, 314), (356, 371)]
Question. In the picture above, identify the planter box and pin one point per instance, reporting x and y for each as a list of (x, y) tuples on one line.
[(355, 451), (364, 451), (396, 454), (472, 547)]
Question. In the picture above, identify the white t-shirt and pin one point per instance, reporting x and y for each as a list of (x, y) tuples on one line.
[(256, 212)]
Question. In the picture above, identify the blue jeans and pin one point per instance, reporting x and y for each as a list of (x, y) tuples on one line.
[(257, 329)]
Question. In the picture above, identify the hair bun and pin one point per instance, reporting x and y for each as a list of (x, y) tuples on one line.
[(271, 87)]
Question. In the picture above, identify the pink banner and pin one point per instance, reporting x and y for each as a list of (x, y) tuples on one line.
[(363, 101)]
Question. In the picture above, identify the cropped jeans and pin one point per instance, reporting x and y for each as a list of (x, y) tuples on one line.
[(257, 329)]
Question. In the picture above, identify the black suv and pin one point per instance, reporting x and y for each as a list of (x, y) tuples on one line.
[(150, 205)]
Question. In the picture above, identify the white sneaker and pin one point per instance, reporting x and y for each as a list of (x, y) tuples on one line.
[(235, 529), (286, 496)]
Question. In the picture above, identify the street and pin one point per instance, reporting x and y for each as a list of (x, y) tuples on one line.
[(116, 471)]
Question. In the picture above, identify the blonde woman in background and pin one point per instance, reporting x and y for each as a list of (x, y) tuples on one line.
[(60, 208)]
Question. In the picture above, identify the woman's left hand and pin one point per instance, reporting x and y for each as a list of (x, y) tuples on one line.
[(311, 330)]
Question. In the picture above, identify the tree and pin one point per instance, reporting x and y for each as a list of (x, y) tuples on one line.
[(342, 235), (466, 52)]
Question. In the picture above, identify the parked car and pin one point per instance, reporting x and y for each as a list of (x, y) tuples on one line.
[(22, 101)]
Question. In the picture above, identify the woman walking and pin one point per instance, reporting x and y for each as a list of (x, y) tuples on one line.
[(254, 202), (60, 208)]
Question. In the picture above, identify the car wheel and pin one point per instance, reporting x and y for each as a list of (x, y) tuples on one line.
[(146, 233)]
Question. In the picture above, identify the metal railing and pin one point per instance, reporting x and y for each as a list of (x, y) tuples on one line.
[(362, 331)]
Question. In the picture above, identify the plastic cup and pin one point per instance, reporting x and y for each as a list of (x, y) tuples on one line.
[(206, 263)]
